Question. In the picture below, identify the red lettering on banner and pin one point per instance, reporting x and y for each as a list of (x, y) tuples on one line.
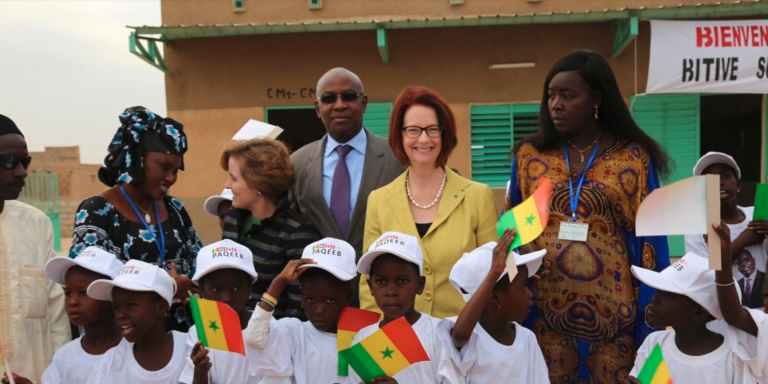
[(703, 33), (727, 36)]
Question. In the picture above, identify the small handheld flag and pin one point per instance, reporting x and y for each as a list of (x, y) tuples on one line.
[(530, 217), (6, 366), (655, 369), (761, 203), (218, 325), (386, 352), (351, 321)]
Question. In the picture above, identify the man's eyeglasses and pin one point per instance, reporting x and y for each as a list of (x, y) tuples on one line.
[(12, 161), (347, 97), (433, 131)]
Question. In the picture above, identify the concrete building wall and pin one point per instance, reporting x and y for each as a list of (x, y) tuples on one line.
[(76, 181), (192, 12)]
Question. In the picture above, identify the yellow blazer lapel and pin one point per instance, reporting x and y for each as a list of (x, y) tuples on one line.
[(453, 195), (398, 202)]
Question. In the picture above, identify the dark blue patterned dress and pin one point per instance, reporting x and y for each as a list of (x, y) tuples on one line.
[(98, 223)]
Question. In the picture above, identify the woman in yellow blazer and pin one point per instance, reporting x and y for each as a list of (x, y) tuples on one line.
[(448, 213)]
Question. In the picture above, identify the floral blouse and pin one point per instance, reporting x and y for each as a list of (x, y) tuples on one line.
[(98, 223)]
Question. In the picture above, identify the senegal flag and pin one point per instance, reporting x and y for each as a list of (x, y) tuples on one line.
[(386, 352), (655, 369), (218, 325), (351, 321), (529, 218)]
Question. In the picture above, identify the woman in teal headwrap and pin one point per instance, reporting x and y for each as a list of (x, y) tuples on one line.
[(137, 218)]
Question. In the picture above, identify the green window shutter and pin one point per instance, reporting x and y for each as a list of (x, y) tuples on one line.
[(525, 121), (376, 118), (673, 121), (494, 130)]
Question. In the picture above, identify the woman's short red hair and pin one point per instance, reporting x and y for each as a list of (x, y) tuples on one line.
[(416, 95)]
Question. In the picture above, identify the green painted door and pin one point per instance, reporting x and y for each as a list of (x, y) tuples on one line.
[(673, 121), (494, 130), (376, 118)]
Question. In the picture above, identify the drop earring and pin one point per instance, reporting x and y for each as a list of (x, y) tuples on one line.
[(597, 118)]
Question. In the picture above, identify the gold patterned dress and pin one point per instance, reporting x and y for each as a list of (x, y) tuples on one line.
[(588, 316)]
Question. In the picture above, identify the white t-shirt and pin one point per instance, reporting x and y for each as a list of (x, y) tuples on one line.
[(721, 366), (226, 367), (297, 350), (696, 244), (437, 370), (752, 350), (72, 364), (484, 360), (119, 366)]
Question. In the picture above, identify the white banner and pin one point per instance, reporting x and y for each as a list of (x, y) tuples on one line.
[(708, 56)]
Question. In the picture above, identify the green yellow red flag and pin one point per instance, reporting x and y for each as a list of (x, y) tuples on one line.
[(351, 321), (386, 352), (218, 325), (530, 217), (655, 369)]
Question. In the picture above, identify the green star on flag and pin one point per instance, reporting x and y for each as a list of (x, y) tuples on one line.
[(529, 219), (218, 325), (387, 353)]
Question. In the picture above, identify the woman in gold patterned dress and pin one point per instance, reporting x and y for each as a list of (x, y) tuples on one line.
[(588, 315)]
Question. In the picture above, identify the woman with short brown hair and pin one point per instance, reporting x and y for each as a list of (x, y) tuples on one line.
[(260, 174), (449, 214)]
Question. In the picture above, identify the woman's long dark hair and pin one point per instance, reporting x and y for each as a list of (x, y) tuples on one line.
[(614, 114)]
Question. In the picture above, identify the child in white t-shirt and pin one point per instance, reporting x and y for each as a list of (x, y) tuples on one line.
[(748, 333), (394, 265), (748, 236), (488, 347), (224, 273), (73, 362), (687, 302), (141, 295), (305, 352)]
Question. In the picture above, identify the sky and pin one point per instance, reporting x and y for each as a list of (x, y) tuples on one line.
[(66, 72)]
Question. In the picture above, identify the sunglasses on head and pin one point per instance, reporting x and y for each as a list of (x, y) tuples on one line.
[(12, 161), (347, 97)]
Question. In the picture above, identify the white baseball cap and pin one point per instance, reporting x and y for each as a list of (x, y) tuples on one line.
[(224, 254), (212, 203), (472, 268), (688, 276), (716, 158), (136, 276), (399, 244), (92, 258), (332, 255)]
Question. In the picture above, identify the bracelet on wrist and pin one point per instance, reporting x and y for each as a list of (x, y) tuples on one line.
[(265, 300)]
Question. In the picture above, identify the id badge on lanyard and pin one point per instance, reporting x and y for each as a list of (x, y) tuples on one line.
[(574, 230)]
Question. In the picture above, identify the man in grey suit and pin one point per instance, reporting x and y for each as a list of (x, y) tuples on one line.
[(333, 194)]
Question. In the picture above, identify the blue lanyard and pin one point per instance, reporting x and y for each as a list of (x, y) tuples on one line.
[(575, 198), (160, 245)]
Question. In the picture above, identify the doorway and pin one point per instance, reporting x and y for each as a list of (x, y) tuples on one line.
[(732, 124), (300, 125)]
